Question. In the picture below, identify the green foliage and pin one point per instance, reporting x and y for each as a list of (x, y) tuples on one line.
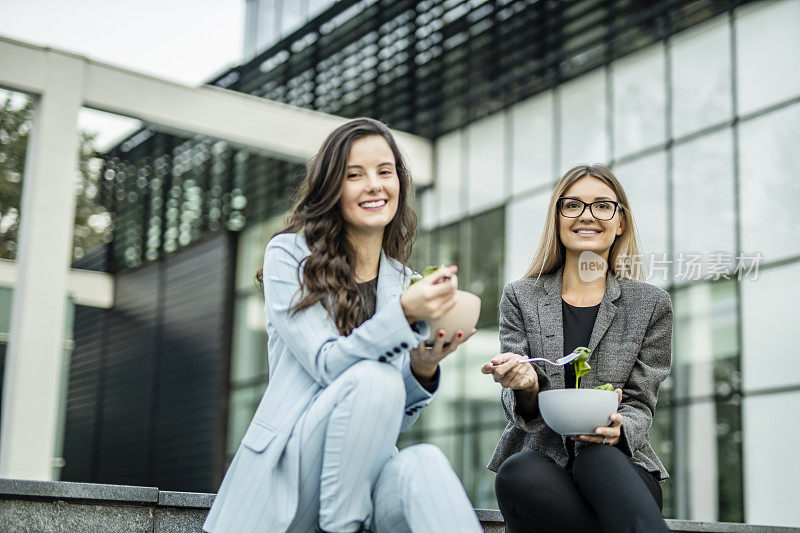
[(581, 366), (92, 221), (428, 270), (605, 386)]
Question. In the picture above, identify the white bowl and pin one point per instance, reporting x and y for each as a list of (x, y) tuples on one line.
[(577, 411), (463, 316)]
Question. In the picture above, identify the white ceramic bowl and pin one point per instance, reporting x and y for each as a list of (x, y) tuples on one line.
[(577, 411), (463, 316)]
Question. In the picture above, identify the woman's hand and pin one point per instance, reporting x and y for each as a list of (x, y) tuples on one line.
[(425, 359), (509, 372), (606, 434), (432, 296)]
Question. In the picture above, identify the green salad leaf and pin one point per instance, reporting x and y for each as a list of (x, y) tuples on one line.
[(605, 386), (581, 366), (426, 271)]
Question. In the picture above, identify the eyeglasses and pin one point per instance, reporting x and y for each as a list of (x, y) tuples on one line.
[(601, 210)]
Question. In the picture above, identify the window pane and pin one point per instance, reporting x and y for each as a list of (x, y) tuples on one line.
[(695, 475), (645, 184), (482, 416), (249, 354), (584, 135), (532, 143), (701, 77), (770, 323), (767, 54), (525, 220), (486, 263), (638, 82), (707, 477), (427, 203), (421, 253), (705, 348), (487, 162), (704, 207), (448, 248), (448, 177), (768, 147), (771, 471)]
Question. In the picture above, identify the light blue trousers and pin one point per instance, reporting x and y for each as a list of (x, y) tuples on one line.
[(351, 473)]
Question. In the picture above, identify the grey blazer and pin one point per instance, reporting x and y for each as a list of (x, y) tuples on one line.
[(631, 346), (306, 353)]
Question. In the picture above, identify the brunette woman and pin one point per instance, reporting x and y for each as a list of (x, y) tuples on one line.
[(348, 369)]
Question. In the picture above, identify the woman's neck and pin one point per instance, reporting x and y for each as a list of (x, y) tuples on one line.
[(367, 249), (584, 282)]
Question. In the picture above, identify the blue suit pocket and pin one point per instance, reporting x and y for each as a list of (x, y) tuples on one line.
[(258, 436)]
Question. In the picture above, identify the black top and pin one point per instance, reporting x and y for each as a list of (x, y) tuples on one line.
[(369, 292), (578, 326)]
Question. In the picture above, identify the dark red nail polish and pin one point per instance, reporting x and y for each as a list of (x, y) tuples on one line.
[(441, 334), (460, 335)]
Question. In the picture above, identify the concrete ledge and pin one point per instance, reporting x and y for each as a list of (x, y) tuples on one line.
[(62, 507), (78, 491)]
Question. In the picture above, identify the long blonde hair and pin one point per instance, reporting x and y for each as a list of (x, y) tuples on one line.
[(624, 258)]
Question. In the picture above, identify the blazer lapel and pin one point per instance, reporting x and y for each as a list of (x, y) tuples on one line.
[(606, 312), (389, 282), (550, 322)]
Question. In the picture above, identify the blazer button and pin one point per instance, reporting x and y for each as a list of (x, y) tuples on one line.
[(396, 349), (389, 354), (382, 359), (403, 345), (409, 413)]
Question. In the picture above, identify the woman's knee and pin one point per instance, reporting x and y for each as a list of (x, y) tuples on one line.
[(596, 461), (381, 382), (521, 473), (422, 456)]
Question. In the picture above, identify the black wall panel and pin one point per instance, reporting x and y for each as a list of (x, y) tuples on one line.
[(85, 377), (147, 394)]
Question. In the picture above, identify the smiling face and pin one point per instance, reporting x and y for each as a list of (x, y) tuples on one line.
[(587, 232), (371, 187)]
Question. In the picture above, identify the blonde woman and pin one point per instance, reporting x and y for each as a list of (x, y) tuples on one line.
[(609, 480)]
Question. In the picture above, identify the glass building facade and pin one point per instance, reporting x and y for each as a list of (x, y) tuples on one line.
[(694, 105)]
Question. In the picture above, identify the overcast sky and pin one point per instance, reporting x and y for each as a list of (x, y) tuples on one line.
[(188, 41)]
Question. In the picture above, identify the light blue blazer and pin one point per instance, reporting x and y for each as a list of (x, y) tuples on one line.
[(306, 353)]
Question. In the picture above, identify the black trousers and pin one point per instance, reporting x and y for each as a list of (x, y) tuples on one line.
[(603, 490)]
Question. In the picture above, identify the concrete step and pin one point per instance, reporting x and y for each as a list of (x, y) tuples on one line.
[(65, 507)]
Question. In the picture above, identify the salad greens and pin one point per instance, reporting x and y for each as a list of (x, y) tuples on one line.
[(426, 271), (582, 367)]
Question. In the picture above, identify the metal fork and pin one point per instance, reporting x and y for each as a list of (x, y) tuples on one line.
[(561, 361)]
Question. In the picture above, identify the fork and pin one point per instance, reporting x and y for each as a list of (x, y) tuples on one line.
[(561, 361)]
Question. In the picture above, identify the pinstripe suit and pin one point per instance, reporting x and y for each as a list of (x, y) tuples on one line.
[(334, 406)]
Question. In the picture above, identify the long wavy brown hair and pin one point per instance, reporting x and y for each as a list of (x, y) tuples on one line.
[(624, 258), (328, 273)]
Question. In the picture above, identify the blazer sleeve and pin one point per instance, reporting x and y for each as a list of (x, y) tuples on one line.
[(651, 368), (310, 334), (514, 339)]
